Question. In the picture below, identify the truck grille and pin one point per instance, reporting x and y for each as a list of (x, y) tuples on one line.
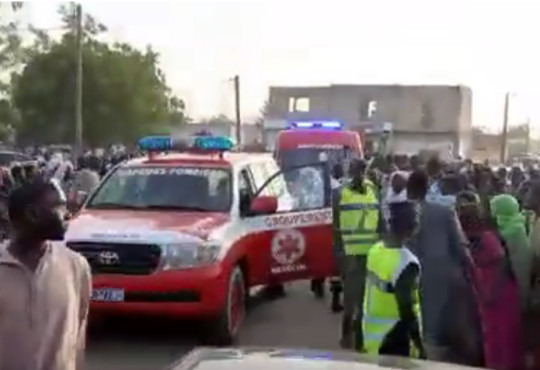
[(117, 258)]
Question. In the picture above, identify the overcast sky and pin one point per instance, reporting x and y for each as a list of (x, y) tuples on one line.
[(491, 46)]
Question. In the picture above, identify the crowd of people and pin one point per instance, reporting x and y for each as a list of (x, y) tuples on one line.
[(437, 261), (57, 166), (454, 274)]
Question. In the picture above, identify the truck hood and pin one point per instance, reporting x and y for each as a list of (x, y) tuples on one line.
[(130, 225)]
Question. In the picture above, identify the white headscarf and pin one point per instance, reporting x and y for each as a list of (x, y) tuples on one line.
[(391, 196)]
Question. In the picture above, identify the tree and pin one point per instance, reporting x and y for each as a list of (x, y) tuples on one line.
[(263, 113), (14, 53), (220, 119), (10, 38), (125, 94), (10, 57), (90, 26)]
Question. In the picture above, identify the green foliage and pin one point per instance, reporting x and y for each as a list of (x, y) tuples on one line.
[(220, 119), (264, 112), (125, 94), (90, 26), (10, 42)]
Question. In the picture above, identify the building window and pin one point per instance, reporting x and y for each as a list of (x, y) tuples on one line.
[(298, 104), (372, 109), (368, 110)]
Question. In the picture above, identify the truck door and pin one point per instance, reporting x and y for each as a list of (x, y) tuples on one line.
[(296, 240)]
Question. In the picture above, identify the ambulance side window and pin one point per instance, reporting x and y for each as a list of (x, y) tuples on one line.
[(245, 190), (260, 176), (243, 182), (298, 189), (277, 187)]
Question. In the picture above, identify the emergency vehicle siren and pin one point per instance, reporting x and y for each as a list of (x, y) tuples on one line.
[(200, 144), (325, 125)]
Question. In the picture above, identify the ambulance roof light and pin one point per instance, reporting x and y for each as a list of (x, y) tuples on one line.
[(163, 143), (328, 125)]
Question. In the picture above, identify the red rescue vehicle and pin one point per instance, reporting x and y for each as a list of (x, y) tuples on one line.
[(304, 142), (187, 234)]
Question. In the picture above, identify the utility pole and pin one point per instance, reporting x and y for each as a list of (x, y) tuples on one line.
[(504, 136), (78, 84), (528, 137), (237, 110)]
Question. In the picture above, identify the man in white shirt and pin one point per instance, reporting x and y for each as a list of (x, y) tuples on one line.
[(396, 192), (45, 290)]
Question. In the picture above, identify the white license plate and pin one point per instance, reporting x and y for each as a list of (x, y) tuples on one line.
[(108, 295)]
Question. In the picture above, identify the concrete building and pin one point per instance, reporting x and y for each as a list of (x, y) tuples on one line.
[(423, 117), (485, 147)]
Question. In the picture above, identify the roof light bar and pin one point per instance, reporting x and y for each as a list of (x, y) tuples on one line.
[(330, 125), (196, 143)]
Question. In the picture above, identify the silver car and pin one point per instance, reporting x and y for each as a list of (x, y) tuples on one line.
[(289, 359)]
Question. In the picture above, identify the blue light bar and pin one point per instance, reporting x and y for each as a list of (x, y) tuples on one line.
[(219, 143), (331, 125), (155, 143), (195, 143)]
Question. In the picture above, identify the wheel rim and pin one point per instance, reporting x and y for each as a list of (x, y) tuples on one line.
[(236, 306)]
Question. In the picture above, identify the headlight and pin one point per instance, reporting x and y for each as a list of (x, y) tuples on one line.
[(186, 255)]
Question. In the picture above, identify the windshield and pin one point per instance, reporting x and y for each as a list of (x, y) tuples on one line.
[(176, 188), (301, 156)]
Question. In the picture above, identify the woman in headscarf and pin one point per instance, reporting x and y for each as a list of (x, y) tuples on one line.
[(495, 287), (510, 224)]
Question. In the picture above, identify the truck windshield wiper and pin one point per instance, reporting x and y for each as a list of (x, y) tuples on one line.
[(113, 205), (175, 208)]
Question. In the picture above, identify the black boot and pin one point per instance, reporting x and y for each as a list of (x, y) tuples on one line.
[(335, 288), (317, 287), (336, 302)]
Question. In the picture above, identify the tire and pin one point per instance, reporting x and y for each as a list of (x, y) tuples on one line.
[(225, 328)]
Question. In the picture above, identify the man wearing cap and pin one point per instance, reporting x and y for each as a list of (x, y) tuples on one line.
[(355, 227)]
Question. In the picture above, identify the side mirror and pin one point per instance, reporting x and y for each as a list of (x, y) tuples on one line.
[(263, 205)]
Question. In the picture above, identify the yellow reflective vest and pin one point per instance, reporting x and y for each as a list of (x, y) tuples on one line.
[(358, 219), (381, 313)]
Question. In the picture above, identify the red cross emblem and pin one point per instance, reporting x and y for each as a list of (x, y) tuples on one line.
[(288, 247)]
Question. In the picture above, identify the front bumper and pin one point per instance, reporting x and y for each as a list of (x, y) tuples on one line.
[(192, 293)]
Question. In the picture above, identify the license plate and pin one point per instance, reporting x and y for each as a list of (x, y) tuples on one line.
[(108, 295)]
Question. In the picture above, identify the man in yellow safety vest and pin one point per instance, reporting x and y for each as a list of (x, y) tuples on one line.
[(355, 231), (391, 321)]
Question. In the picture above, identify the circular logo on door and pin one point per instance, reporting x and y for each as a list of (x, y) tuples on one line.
[(288, 246)]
